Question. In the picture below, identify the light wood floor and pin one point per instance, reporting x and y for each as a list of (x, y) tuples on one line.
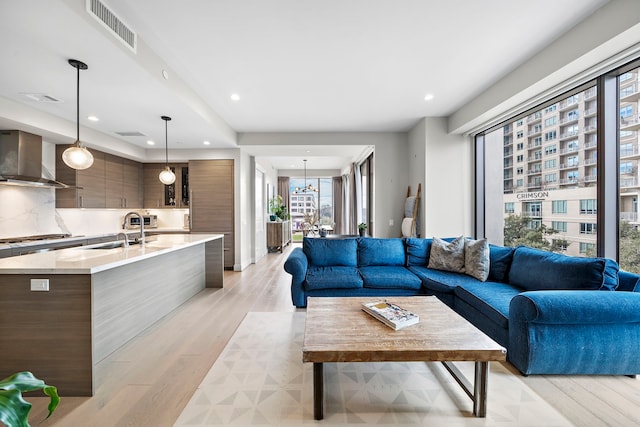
[(149, 381)]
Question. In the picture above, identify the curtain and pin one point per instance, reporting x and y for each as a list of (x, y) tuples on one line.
[(352, 206), (358, 193), (283, 190), (337, 205)]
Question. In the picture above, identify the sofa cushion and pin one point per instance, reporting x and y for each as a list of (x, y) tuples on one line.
[(476, 258), (417, 251), (490, 298), (390, 277), (499, 262), (333, 277), (331, 252), (439, 280), (447, 256), (629, 282), (372, 251), (535, 269)]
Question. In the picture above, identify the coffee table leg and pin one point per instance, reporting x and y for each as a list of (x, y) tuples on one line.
[(318, 391), (480, 389)]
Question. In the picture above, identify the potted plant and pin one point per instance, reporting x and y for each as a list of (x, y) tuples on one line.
[(278, 209), (362, 229), (14, 410)]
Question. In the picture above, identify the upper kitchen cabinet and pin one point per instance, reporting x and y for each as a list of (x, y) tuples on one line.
[(123, 182), (158, 195), (111, 182), (212, 201)]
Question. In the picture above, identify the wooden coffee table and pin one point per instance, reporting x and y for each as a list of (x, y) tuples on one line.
[(337, 330)]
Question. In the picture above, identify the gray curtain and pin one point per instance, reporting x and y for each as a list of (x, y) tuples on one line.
[(337, 205), (352, 205), (283, 189)]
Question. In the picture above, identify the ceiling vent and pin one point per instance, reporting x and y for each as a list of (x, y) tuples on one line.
[(106, 17), (130, 133), (41, 97)]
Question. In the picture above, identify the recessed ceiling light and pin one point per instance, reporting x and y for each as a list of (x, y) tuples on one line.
[(93, 118), (150, 142), (235, 97), (428, 97), (206, 143)]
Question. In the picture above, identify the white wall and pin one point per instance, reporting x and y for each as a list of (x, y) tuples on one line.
[(448, 187), (610, 34), (417, 167)]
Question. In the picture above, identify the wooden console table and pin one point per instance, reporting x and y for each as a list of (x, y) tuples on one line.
[(278, 235)]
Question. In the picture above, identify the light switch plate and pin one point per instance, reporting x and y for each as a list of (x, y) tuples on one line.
[(39, 284)]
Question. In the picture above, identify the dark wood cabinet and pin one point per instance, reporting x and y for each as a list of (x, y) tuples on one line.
[(156, 195), (211, 184), (111, 182)]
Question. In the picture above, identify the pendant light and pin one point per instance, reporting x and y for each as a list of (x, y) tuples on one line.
[(166, 176), (77, 156), (306, 188)]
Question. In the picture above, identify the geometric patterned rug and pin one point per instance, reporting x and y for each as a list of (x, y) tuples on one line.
[(259, 379)]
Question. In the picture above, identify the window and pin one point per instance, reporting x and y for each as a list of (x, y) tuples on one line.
[(533, 209), (587, 248), (588, 207), (539, 176), (519, 146), (559, 206), (520, 134), (560, 226), (626, 168), (519, 158), (626, 111), (519, 123), (587, 228)]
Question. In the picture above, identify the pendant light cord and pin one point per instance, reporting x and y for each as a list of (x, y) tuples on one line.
[(166, 144), (78, 107)]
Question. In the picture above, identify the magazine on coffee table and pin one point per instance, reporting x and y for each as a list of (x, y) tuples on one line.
[(390, 314)]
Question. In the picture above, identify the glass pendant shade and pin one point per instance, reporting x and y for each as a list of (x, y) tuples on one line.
[(167, 176), (77, 156), (306, 187)]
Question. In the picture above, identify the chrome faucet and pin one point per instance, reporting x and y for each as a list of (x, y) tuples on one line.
[(124, 224), (125, 243)]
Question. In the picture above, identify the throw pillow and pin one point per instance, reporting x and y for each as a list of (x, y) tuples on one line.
[(476, 258), (448, 256)]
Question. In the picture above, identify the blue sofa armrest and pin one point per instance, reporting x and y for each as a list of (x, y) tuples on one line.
[(296, 265), (575, 332)]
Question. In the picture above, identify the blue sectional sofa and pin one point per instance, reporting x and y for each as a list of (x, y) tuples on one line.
[(555, 314)]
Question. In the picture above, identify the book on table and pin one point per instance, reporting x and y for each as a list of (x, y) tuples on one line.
[(390, 314)]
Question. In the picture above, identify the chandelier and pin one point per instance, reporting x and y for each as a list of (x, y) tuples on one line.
[(307, 188)]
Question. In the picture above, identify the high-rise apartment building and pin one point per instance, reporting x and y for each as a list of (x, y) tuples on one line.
[(550, 165)]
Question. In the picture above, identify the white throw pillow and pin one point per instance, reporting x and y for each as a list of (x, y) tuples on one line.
[(448, 256), (476, 258)]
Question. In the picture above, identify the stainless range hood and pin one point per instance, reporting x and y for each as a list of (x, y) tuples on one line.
[(21, 160)]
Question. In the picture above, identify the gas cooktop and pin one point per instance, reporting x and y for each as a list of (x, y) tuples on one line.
[(34, 238)]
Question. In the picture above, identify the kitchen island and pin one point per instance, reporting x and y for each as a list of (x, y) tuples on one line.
[(62, 312)]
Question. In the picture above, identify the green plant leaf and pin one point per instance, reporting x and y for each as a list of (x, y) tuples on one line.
[(14, 410)]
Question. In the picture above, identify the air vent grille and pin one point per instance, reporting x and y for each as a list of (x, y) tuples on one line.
[(41, 97), (130, 133), (109, 19)]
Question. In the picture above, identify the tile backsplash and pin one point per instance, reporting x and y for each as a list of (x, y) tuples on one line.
[(26, 211)]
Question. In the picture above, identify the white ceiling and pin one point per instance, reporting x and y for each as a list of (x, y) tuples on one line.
[(298, 66)]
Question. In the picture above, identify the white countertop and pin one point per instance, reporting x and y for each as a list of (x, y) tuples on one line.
[(85, 260)]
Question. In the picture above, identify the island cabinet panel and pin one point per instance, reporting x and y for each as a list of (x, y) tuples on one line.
[(111, 182), (48, 333), (211, 184), (156, 194)]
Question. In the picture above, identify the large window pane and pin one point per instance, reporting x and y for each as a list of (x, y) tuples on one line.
[(629, 94), (541, 178)]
